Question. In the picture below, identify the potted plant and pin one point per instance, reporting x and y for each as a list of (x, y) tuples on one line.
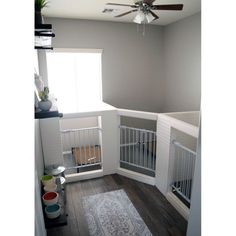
[(39, 5), (44, 104)]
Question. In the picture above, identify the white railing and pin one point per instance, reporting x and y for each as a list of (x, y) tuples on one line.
[(137, 149), (137, 146), (183, 172), (89, 142), (84, 146)]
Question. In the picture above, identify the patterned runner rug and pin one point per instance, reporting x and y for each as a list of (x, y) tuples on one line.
[(113, 214)]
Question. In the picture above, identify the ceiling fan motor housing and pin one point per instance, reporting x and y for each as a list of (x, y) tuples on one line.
[(143, 6), (138, 2)]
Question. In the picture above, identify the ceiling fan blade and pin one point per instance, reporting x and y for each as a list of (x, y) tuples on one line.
[(124, 5), (154, 15), (176, 7), (126, 13)]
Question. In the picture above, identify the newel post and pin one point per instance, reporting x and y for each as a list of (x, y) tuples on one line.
[(110, 141), (163, 154)]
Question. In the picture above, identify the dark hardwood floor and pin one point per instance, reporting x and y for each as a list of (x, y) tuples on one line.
[(158, 214)]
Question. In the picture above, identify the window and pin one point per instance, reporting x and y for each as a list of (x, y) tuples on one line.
[(74, 78)]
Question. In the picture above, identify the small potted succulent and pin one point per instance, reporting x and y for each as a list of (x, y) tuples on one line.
[(44, 104), (38, 6)]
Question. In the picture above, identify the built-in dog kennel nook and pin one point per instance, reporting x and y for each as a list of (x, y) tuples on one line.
[(81, 144), (138, 145), (158, 149), (182, 163), (177, 143), (155, 148)]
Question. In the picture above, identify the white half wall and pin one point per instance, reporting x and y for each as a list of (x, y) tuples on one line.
[(39, 170), (51, 141), (39, 220), (194, 223), (39, 162), (110, 141), (163, 154)]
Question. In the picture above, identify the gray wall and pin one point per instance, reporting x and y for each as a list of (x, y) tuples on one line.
[(158, 72), (182, 55), (131, 63)]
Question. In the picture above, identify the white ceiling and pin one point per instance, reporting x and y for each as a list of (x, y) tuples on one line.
[(92, 9)]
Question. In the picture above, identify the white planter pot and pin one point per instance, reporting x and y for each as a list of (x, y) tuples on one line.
[(45, 105)]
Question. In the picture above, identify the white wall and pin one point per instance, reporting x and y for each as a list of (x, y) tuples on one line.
[(39, 163), (51, 141), (194, 223), (131, 63), (39, 169), (182, 50)]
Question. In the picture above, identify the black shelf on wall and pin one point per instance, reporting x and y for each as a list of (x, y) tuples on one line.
[(43, 35), (43, 26), (53, 112), (47, 114)]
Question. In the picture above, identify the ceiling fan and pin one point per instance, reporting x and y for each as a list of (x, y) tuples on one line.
[(145, 10)]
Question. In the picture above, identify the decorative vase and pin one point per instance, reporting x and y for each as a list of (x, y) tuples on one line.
[(45, 105)]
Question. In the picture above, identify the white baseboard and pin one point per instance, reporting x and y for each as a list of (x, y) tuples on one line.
[(178, 205), (110, 172), (82, 176), (136, 176)]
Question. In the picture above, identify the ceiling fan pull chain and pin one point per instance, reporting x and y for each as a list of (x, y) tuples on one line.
[(144, 24)]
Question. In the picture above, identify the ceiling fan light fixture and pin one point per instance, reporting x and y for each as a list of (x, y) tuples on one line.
[(139, 18), (149, 17)]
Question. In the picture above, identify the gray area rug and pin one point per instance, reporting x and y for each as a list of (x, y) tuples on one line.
[(113, 214)]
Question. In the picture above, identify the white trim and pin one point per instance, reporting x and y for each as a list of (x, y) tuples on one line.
[(178, 205), (138, 129), (136, 176), (81, 114), (138, 114), (180, 125), (77, 50), (183, 147), (81, 129), (90, 112), (181, 112), (82, 176)]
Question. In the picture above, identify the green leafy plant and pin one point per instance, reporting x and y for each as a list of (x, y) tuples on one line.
[(44, 94), (39, 4)]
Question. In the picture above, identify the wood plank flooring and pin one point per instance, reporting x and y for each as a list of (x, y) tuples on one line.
[(158, 214)]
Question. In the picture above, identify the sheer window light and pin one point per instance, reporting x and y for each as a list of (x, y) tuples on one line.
[(74, 78)]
